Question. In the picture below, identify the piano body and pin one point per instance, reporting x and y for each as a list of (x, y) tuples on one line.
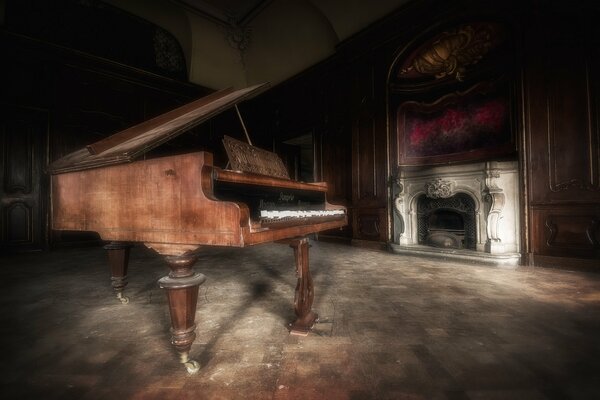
[(178, 204)]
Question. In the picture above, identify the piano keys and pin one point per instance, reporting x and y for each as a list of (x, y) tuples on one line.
[(178, 204)]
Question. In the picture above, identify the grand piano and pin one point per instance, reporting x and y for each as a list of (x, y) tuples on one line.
[(178, 204)]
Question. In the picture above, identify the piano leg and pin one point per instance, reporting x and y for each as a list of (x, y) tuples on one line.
[(305, 294), (118, 259), (182, 286)]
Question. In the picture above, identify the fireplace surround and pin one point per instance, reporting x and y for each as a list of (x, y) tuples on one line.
[(467, 211)]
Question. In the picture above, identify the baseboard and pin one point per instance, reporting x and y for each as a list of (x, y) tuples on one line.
[(333, 239), (369, 244), (591, 265)]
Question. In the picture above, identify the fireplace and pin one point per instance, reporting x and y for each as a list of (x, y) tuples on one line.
[(446, 223), (468, 211)]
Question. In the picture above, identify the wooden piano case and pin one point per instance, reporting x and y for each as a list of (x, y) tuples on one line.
[(177, 204)]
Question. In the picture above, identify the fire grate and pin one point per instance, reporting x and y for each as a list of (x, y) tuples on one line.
[(447, 222)]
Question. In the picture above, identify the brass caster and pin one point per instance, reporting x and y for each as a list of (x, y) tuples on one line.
[(192, 367), (123, 299)]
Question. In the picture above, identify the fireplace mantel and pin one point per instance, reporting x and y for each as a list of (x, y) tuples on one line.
[(494, 188)]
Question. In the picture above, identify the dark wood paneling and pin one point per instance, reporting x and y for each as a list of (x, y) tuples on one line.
[(567, 232), (564, 132), (562, 142), (337, 138), (369, 150), (370, 224), (86, 99), (22, 179), (98, 28), (364, 164), (335, 163)]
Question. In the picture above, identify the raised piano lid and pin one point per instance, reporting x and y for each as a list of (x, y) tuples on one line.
[(130, 144)]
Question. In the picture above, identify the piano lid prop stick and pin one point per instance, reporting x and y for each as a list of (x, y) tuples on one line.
[(243, 125)]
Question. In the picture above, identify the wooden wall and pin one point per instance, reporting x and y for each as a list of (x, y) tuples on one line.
[(555, 98), (561, 134), (344, 100), (54, 101)]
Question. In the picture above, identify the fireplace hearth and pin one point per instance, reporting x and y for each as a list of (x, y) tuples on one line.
[(465, 211)]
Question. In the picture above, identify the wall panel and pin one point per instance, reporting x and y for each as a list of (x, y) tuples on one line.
[(567, 232), (562, 140), (56, 101), (22, 179)]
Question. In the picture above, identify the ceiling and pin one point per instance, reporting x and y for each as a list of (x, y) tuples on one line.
[(237, 12), (242, 42), (346, 16)]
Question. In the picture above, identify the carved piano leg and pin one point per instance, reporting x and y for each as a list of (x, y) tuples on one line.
[(304, 295), (118, 259), (182, 286)]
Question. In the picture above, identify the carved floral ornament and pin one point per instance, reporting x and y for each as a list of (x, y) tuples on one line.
[(452, 52), (438, 189)]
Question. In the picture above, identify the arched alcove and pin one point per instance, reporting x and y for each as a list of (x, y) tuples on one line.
[(100, 29), (451, 95)]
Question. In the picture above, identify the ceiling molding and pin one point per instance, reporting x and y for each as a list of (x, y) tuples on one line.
[(254, 12), (225, 16)]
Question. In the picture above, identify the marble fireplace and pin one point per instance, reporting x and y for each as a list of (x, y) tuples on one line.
[(463, 212)]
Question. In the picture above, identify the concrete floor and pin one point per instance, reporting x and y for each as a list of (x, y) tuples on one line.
[(392, 327)]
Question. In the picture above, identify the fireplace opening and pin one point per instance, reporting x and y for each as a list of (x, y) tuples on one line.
[(447, 222)]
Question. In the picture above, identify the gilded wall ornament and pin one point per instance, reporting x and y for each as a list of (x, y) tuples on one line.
[(453, 52)]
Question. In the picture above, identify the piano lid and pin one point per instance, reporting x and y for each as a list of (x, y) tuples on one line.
[(128, 145)]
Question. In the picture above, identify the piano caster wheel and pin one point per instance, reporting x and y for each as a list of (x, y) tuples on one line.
[(123, 299), (192, 367)]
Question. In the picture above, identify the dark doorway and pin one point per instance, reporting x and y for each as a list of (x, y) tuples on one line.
[(23, 145), (299, 156)]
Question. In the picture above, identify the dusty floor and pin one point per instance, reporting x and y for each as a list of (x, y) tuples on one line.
[(392, 327)]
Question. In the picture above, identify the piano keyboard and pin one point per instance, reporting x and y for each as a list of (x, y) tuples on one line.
[(275, 215)]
